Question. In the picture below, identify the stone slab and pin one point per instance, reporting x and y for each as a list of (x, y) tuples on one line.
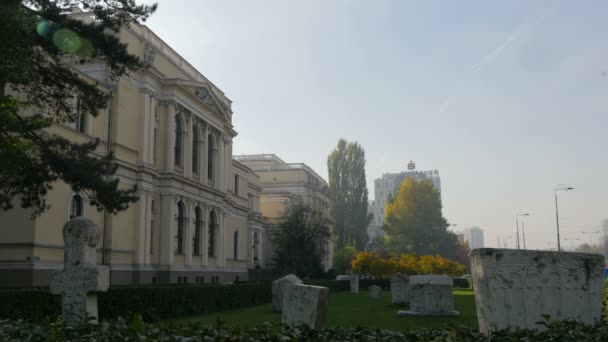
[(400, 289), (431, 294), (515, 288), (305, 305), (406, 313), (278, 288), (374, 292), (354, 283)]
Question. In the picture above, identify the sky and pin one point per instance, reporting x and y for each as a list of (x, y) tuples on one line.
[(505, 98)]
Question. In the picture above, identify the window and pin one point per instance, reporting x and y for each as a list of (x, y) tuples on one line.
[(79, 116), (197, 232), (180, 228), (250, 200), (210, 157), (236, 245), (178, 141), (212, 226), (76, 206), (236, 185), (195, 151)]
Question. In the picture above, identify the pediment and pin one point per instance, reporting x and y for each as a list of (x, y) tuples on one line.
[(205, 93)]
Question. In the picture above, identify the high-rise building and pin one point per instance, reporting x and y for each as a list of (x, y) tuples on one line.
[(474, 235), (388, 185)]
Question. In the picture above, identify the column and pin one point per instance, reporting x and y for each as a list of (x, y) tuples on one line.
[(204, 146), (167, 236), (148, 247), (221, 239), (205, 237), (189, 233), (170, 138), (228, 163), (142, 219), (151, 125), (220, 179), (144, 132), (250, 247), (188, 147)]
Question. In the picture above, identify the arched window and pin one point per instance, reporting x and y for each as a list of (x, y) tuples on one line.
[(180, 228), (256, 249), (197, 232), (76, 206), (210, 157), (195, 150), (212, 225), (236, 245), (178, 141)]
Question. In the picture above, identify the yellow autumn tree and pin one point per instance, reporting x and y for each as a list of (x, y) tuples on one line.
[(415, 224), (374, 265)]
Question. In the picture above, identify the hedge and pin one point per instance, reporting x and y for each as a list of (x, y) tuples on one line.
[(137, 330), (154, 303)]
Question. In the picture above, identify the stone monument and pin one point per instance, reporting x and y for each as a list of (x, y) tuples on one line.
[(515, 288), (278, 289), (431, 295), (354, 283), (80, 278), (400, 289), (305, 305), (374, 292)]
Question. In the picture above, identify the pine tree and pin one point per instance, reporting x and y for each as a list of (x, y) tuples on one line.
[(42, 46)]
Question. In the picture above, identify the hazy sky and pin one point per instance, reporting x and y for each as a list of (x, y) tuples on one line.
[(504, 98)]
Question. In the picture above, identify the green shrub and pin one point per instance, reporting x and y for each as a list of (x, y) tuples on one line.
[(152, 302), (462, 283), (137, 330), (29, 304), (164, 302)]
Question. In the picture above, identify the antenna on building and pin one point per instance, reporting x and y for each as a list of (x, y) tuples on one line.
[(411, 165)]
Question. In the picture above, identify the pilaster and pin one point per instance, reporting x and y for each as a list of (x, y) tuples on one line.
[(170, 138), (167, 237), (144, 127)]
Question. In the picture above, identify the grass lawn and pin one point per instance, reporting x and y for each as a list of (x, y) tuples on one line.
[(352, 310)]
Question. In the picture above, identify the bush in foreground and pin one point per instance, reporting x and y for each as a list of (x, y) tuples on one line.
[(137, 330)]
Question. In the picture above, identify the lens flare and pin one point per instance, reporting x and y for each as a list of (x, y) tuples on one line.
[(45, 29), (66, 40), (86, 49)]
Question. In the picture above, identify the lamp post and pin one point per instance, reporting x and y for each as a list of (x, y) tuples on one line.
[(558, 188), (517, 216)]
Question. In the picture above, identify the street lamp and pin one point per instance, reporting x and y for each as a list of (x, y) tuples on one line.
[(558, 188), (522, 228)]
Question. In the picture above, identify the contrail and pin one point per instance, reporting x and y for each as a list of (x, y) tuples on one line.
[(494, 53)]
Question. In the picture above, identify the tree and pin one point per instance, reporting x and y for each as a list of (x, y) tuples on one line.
[(337, 167), (343, 258), (42, 48), (415, 223), (298, 240), (348, 194), (357, 218)]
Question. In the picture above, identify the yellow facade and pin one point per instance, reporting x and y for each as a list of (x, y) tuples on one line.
[(198, 214), (279, 182)]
